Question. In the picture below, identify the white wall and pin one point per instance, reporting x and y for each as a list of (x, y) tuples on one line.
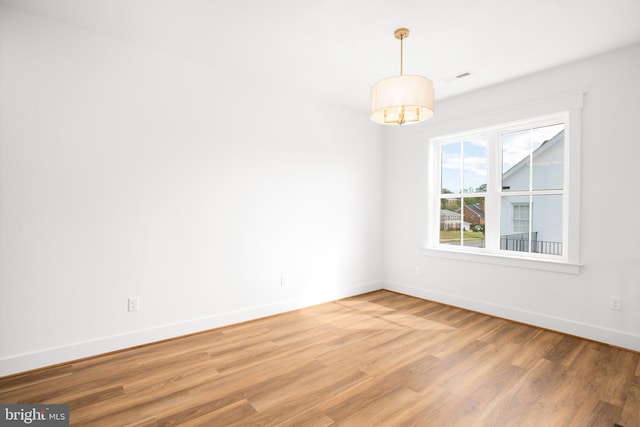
[(129, 172), (609, 249)]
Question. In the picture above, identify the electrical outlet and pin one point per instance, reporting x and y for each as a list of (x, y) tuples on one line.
[(615, 303), (134, 303), (418, 271), (283, 281)]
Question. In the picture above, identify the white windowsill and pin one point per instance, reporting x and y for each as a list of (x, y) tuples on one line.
[(505, 260)]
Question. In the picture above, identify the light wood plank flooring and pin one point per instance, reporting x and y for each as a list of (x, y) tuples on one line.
[(374, 359)]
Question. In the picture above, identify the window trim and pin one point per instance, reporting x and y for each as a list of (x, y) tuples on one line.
[(568, 107)]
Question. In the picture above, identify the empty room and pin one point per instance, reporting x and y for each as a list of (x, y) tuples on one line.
[(319, 213)]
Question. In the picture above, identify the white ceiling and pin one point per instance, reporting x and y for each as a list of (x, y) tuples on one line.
[(339, 48)]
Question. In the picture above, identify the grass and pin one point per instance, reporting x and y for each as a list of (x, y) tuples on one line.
[(455, 234)]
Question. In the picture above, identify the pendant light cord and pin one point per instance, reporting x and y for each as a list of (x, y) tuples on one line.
[(401, 39)]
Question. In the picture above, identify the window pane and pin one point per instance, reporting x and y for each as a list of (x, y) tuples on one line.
[(516, 150), (451, 158), (475, 165), (514, 223), (546, 228), (450, 221), (473, 222), (548, 157)]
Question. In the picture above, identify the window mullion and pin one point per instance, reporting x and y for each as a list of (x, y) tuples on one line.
[(462, 193), (492, 198), (530, 219)]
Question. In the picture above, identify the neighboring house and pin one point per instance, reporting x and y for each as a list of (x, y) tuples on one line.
[(450, 220), (474, 213), (546, 210)]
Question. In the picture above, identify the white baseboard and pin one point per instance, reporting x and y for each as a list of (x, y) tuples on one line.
[(593, 332), (53, 356)]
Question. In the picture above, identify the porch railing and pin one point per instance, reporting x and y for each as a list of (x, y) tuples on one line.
[(520, 242)]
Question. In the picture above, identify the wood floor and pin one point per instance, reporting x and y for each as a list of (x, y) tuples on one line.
[(375, 359)]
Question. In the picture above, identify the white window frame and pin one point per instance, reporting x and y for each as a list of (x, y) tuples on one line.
[(566, 109)]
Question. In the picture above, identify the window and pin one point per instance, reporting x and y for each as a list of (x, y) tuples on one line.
[(463, 174), (520, 217), (532, 183), (507, 191)]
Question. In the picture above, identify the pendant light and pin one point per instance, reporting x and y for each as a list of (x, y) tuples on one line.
[(402, 99)]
